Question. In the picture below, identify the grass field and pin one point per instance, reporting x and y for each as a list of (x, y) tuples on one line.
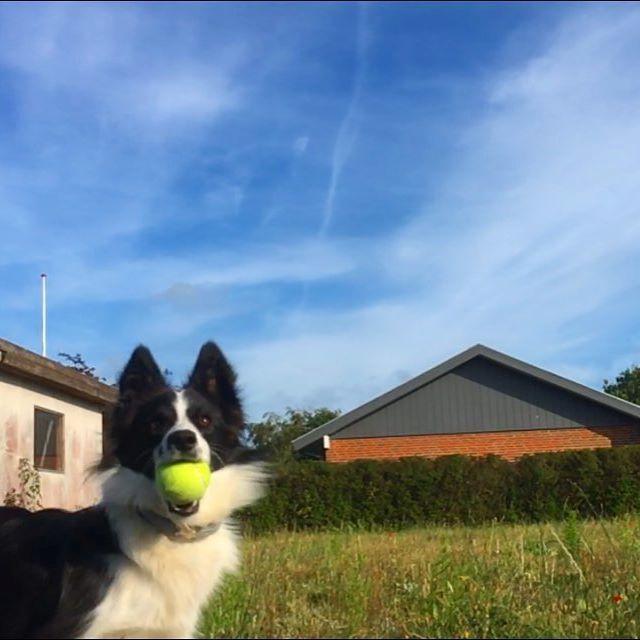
[(569, 579)]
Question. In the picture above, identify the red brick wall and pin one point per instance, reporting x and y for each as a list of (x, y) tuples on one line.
[(509, 444)]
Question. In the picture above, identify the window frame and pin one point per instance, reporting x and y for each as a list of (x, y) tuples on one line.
[(60, 441)]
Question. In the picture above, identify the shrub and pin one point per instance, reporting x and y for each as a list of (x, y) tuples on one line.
[(448, 490), (28, 495)]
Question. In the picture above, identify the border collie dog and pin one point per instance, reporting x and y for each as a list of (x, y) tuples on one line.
[(135, 565)]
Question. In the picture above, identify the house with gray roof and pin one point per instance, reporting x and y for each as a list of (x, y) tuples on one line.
[(479, 402)]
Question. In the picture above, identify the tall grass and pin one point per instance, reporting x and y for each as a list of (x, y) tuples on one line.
[(570, 579)]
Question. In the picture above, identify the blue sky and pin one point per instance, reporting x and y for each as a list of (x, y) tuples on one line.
[(341, 195)]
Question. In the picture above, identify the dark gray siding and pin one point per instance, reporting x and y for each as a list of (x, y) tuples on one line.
[(313, 451), (481, 395)]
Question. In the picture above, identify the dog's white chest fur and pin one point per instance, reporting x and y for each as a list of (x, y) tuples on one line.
[(160, 589), (160, 585)]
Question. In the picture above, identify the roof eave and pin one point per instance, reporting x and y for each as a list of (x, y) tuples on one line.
[(28, 365)]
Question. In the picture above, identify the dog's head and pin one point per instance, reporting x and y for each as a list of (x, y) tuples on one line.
[(154, 424)]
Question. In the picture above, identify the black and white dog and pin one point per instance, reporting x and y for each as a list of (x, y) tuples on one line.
[(136, 566)]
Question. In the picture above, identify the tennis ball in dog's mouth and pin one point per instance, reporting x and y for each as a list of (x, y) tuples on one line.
[(183, 482)]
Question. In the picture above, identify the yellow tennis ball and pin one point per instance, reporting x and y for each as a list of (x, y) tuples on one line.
[(183, 482)]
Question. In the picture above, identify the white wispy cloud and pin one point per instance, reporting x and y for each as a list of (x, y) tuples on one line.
[(107, 114), (125, 136), (121, 278), (181, 98), (300, 144), (101, 57), (347, 131), (536, 228)]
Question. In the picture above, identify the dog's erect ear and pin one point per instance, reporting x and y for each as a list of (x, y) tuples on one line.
[(141, 374), (215, 379)]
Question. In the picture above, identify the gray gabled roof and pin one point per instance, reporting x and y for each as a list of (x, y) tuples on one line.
[(423, 379)]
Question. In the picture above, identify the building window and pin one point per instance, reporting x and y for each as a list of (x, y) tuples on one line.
[(48, 441)]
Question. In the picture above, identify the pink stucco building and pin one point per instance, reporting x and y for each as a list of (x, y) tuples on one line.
[(55, 417)]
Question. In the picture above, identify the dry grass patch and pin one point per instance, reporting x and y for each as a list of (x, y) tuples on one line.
[(569, 579)]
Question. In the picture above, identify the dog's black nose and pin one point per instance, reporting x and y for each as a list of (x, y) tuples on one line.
[(184, 440)]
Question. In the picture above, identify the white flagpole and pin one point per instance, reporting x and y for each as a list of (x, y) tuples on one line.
[(43, 278)]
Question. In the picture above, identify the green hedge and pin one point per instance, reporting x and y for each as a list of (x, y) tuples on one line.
[(448, 490)]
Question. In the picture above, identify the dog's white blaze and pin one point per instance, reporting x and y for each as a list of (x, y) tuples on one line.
[(162, 453)]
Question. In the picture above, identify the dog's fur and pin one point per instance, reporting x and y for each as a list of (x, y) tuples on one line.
[(108, 571)]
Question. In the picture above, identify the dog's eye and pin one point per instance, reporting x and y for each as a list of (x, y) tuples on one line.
[(204, 421)]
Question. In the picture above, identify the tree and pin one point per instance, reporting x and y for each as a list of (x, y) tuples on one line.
[(78, 364), (275, 432), (626, 386)]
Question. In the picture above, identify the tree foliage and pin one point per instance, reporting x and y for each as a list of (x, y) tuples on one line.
[(78, 363), (276, 432), (626, 385)]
